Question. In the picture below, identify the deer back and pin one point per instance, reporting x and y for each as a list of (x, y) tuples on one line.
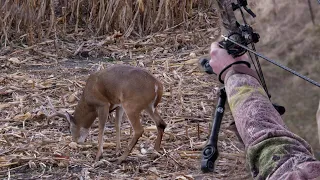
[(120, 83)]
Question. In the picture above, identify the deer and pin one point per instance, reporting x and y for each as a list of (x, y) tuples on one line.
[(123, 89)]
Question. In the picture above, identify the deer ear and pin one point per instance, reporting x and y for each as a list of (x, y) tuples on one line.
[(70, 118)]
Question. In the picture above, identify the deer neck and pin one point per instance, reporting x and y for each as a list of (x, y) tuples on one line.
[(84, 114)]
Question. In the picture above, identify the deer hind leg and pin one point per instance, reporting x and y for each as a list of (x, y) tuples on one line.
[(118, 119), (134, 118), (161, 125), (103, 113)]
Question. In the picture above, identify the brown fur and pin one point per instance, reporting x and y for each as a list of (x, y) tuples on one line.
[(131, 87)]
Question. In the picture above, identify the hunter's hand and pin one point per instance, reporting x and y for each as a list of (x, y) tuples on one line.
[(221, 59)]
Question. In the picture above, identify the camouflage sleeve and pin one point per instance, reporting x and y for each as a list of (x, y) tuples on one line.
[(273, 152)]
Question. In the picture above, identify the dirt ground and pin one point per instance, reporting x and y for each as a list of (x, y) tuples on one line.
[(36, 78)]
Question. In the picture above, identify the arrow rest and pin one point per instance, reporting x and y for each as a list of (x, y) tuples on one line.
[(233, 49)]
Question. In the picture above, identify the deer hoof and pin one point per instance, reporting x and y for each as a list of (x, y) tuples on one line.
[(119, 161), (154, 156), (98, 157)]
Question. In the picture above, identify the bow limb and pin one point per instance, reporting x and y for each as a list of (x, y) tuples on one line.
[(227, 17)]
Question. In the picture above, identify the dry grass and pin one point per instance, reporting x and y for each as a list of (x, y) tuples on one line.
[(55, 71), (30, 21), (48, 50)]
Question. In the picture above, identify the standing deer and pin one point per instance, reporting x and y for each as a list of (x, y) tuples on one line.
[(122, 88)]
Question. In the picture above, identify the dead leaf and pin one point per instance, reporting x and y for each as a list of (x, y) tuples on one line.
[(23, 117), (143, 151), (73, 145), (151, 128), (32, 165), (117, 34), (3, 159), (191, 61), (141, 6), (184, 177), (193, 55), (108, 145), (72, 98), (14, 60), (4, 105), (154, 170), (63, 164)]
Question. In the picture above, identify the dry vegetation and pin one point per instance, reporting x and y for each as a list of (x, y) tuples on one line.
[(32, 147), (48, 49), (34, 20), (289, 36)]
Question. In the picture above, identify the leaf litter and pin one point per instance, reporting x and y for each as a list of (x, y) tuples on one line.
[(50, 75)]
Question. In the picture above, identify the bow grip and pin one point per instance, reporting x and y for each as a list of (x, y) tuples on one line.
[(204, 63)]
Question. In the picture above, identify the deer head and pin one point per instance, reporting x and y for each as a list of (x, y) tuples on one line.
[(78, 133)]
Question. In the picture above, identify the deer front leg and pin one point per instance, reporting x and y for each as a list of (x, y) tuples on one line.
[(134, 118), (103, 113), (118, 119)]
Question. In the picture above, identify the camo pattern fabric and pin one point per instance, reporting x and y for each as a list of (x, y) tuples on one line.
[(227, 16), (273, 152)]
